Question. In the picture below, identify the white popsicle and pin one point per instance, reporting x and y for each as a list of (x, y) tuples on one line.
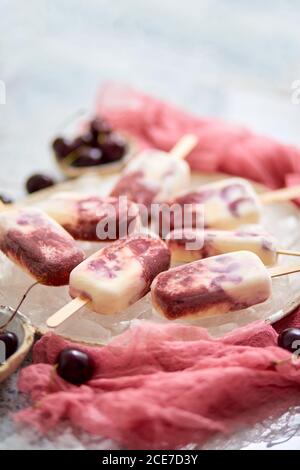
[(116, 276), (91, 217), (215, 285), (211, 286), (39, 245), (226, 204), (154, 176), (192, 244)]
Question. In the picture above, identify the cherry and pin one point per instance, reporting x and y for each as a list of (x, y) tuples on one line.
[(85, 156), (10, 341), (75, 366), (37, 182), (96, 146), (6, 199), (87, 139), (113, 148), (100, 126), (61, 148), (289, 339)]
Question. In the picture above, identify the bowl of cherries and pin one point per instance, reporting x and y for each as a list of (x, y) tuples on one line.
[(98, 148), (15, 342)]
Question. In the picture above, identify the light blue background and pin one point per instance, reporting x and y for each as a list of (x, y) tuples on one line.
[(233, 59)]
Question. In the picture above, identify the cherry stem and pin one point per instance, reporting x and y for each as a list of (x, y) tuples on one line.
[(18, 306), (73, 117)]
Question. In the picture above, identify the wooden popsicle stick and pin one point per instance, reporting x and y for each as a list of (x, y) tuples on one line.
[(277, 271), (288, 252), (66, 311), (280, 195), (184, 146)]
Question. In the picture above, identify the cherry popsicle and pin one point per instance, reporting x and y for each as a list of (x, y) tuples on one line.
[(187, 245), (39, 245), (214, 286), (224, 204), (154, 175), (90, 217), (115, 277)]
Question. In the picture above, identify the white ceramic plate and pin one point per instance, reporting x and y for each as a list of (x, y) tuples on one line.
[(86, 326)]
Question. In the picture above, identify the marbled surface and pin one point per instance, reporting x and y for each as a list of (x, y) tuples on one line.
[(232, 59)]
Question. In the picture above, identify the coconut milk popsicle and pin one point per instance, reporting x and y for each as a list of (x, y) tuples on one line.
[(82, 215), (192, 244), (39, 245), (155, 176), (211, 286), (120, 274), (226, 204)]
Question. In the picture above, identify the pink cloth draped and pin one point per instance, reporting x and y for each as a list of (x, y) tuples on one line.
[(164, 386), (222, 146)]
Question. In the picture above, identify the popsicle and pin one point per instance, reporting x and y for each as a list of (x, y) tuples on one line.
[(116, 276), (214, 286), (39, 245), (91, 217), (191, 244), (154, 175), (225, 204)]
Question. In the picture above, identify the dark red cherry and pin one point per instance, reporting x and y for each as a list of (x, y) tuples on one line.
[(86, 156), (37, 182), (100, 126), (114, 148), (6, 199), (61, 147), (87, 139), (10, 341), (75, 366), (290, 339)]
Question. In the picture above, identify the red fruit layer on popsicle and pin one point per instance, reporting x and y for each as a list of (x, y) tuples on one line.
[(39, 245)]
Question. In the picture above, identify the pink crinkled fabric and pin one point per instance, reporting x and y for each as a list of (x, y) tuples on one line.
[(164, 386), (222, 146)]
